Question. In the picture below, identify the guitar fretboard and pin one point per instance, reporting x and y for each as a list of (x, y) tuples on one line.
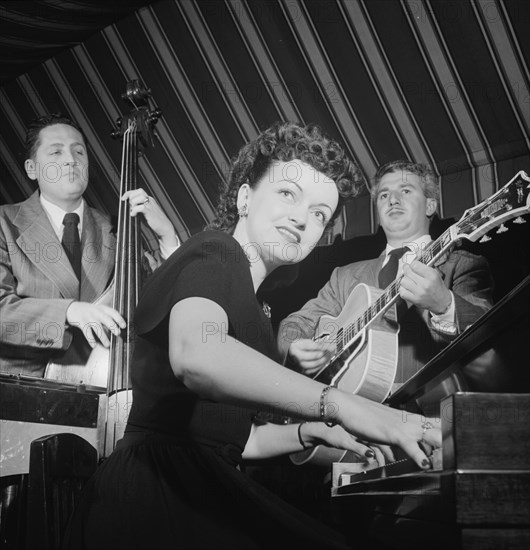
[(429, 255), (511, 201)]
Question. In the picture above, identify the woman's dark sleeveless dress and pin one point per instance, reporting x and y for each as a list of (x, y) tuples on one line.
[(173, 481)]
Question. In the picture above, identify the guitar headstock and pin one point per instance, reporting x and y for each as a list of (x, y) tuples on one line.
[(141, 118), (512, 201)]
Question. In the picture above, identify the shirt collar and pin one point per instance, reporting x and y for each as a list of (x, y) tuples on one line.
[(56, 215)]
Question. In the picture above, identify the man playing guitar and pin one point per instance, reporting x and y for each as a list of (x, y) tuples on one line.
[(443, 299)]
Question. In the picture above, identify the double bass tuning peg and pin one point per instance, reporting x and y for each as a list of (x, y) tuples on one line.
[(154, 116), (117, 132), (502, 229), (136, 93)]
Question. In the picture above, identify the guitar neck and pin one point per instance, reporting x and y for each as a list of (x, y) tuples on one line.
[(511, 201)]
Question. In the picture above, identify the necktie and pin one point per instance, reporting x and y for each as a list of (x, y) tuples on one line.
[(389, 271), (71, 243)]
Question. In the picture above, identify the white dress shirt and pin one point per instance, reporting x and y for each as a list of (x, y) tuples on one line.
[(56, 215)]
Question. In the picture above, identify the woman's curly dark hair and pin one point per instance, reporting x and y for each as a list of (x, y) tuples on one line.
[(284, 142)]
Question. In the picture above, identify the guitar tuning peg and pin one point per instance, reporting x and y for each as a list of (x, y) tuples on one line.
[(502, 229), (519, 219), (485, 239)]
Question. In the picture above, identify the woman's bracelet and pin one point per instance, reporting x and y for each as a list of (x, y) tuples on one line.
[(302, 442), (324, 405)]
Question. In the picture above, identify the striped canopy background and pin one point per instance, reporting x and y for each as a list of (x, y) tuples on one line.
[(443, 82)]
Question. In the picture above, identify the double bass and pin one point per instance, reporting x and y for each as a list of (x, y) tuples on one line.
[(109, 368)]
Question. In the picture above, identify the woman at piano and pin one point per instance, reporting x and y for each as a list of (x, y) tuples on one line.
[(205, 369)]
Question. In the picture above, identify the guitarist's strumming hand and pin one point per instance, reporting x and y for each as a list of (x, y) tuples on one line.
[(309, 355), (95, 321), (422, 286)]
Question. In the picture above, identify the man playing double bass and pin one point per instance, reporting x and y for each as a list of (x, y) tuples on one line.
[(57, 256)]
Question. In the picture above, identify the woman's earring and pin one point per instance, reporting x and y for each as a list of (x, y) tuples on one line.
[(243, 211)]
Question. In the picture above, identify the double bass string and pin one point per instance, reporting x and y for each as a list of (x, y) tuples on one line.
[(127, 268), (124, 285)]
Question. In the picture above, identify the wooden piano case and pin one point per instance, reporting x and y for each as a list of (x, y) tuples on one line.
[(479, 386), (30, 409), (481, 496)]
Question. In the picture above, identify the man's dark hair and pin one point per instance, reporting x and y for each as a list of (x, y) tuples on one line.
[(32, 136)]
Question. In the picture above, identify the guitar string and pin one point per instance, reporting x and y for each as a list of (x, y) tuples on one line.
[(348, 333), (437, 248), (382, 301)]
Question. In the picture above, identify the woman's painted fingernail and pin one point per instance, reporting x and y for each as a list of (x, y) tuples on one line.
[(426, 463), (369, 453)]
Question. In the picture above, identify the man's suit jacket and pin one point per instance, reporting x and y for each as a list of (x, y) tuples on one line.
[(466, 274), (37, 284)]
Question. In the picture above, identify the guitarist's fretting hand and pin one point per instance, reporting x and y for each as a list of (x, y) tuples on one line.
[(422, 286), (95, 321), (309, 355)]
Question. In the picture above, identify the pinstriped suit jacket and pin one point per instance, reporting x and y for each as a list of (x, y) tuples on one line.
[(37, 284)]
